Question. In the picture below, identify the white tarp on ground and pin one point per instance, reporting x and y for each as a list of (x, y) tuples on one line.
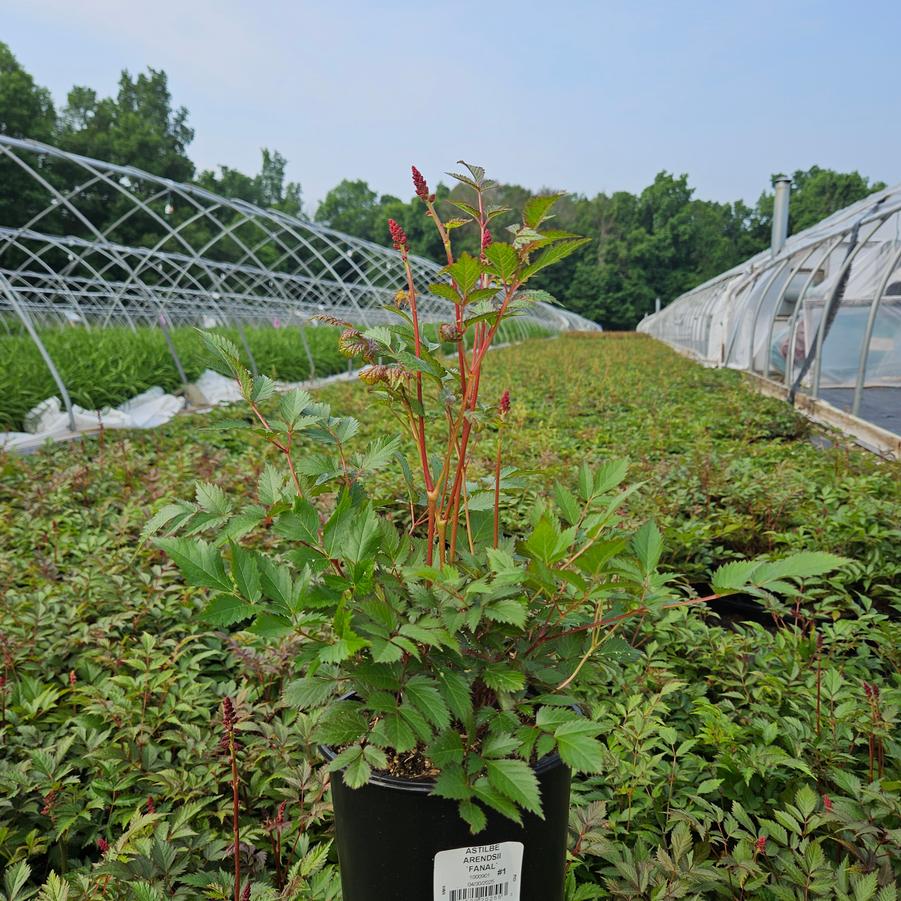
[(48, 421)]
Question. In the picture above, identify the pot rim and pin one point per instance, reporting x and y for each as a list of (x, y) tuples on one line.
[(425, 786)]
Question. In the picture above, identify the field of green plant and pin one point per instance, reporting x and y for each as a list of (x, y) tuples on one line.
[(107, 366), (749, 752)]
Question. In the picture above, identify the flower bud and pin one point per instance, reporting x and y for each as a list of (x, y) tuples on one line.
[(486, 238), (228, 716), (448, 332), (760, 844), (422, 189), (503, 406), (103, 845), (827, 803), (399, 239)]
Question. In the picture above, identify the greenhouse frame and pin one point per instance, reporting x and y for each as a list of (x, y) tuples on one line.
[(104, 245), (818, 317)]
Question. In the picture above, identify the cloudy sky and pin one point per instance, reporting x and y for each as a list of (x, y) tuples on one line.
[(586, 95)]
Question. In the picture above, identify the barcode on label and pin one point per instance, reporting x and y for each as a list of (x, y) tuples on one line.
[(477, 892)]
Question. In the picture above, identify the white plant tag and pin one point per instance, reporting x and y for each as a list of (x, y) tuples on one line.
[(479, 873)]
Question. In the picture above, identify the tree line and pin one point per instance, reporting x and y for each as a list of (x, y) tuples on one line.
[(657, 243)]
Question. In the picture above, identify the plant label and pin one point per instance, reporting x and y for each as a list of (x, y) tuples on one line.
[(479, 873)]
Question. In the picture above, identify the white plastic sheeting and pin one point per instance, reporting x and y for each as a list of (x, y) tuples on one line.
[(822, 316), (48, 421)]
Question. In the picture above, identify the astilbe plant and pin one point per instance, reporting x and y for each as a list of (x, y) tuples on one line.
[(446, 649)]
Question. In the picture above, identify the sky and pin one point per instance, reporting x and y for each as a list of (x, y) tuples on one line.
[(569, 94)]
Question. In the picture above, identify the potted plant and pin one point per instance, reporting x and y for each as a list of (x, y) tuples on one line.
[(440, 654)]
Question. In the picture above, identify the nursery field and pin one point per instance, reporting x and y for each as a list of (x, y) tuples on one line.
[(107, 366), (749, 752)]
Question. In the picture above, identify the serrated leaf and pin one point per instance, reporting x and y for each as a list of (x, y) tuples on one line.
[(342, 724), (503, 260), (501, 677), (393, 731), (451, 783), (457, 694), (270, 486), (473, 815), (200, 563), (442, 289), (226, 610), (507, 610), (465, 272), (311, 691), (163, 517), (647, 543), (553, 254), (212, 499), (516, 780), (423, 693), (578, 750), (537, 208), (245, 572)]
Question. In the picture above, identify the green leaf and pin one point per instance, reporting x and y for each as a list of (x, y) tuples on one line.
[(507, 610), (357, 773), (451, 783), (503, 260), (199, 563), (567, 503), (647, 543), (501, 677), (423, 693), (457, 694), (263, 389), (270, 486), (742, 575), (393, 731), (226, 610), (163, 517), (465, 272), (579, 750), (446, 751), (245, 572), (342, 724), (537, 208), (442, 289), (516, 780), (362, 535), (552, 255), (292, 405), (311, 691), (473, 815), (212, 499)]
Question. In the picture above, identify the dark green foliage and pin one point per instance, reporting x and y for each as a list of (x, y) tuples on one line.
[(705, 737)]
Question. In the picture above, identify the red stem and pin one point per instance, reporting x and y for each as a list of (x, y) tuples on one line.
[(235, 810)]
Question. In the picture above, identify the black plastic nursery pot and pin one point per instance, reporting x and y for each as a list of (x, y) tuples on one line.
[(397, 842)]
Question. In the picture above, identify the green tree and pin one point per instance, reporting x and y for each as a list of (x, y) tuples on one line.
[(352, 207), (138, 127), (816, 194), (26, 111)]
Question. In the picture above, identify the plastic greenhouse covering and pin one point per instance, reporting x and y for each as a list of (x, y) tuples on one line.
[(822, 316), (104, 245)]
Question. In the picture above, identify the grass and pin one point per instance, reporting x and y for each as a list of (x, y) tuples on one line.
[(109, 722)]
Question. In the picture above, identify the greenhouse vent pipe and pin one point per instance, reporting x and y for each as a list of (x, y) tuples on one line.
[(783, 186)]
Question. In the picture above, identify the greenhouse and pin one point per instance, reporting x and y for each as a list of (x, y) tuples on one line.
[(103, 246), (818, 315)]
